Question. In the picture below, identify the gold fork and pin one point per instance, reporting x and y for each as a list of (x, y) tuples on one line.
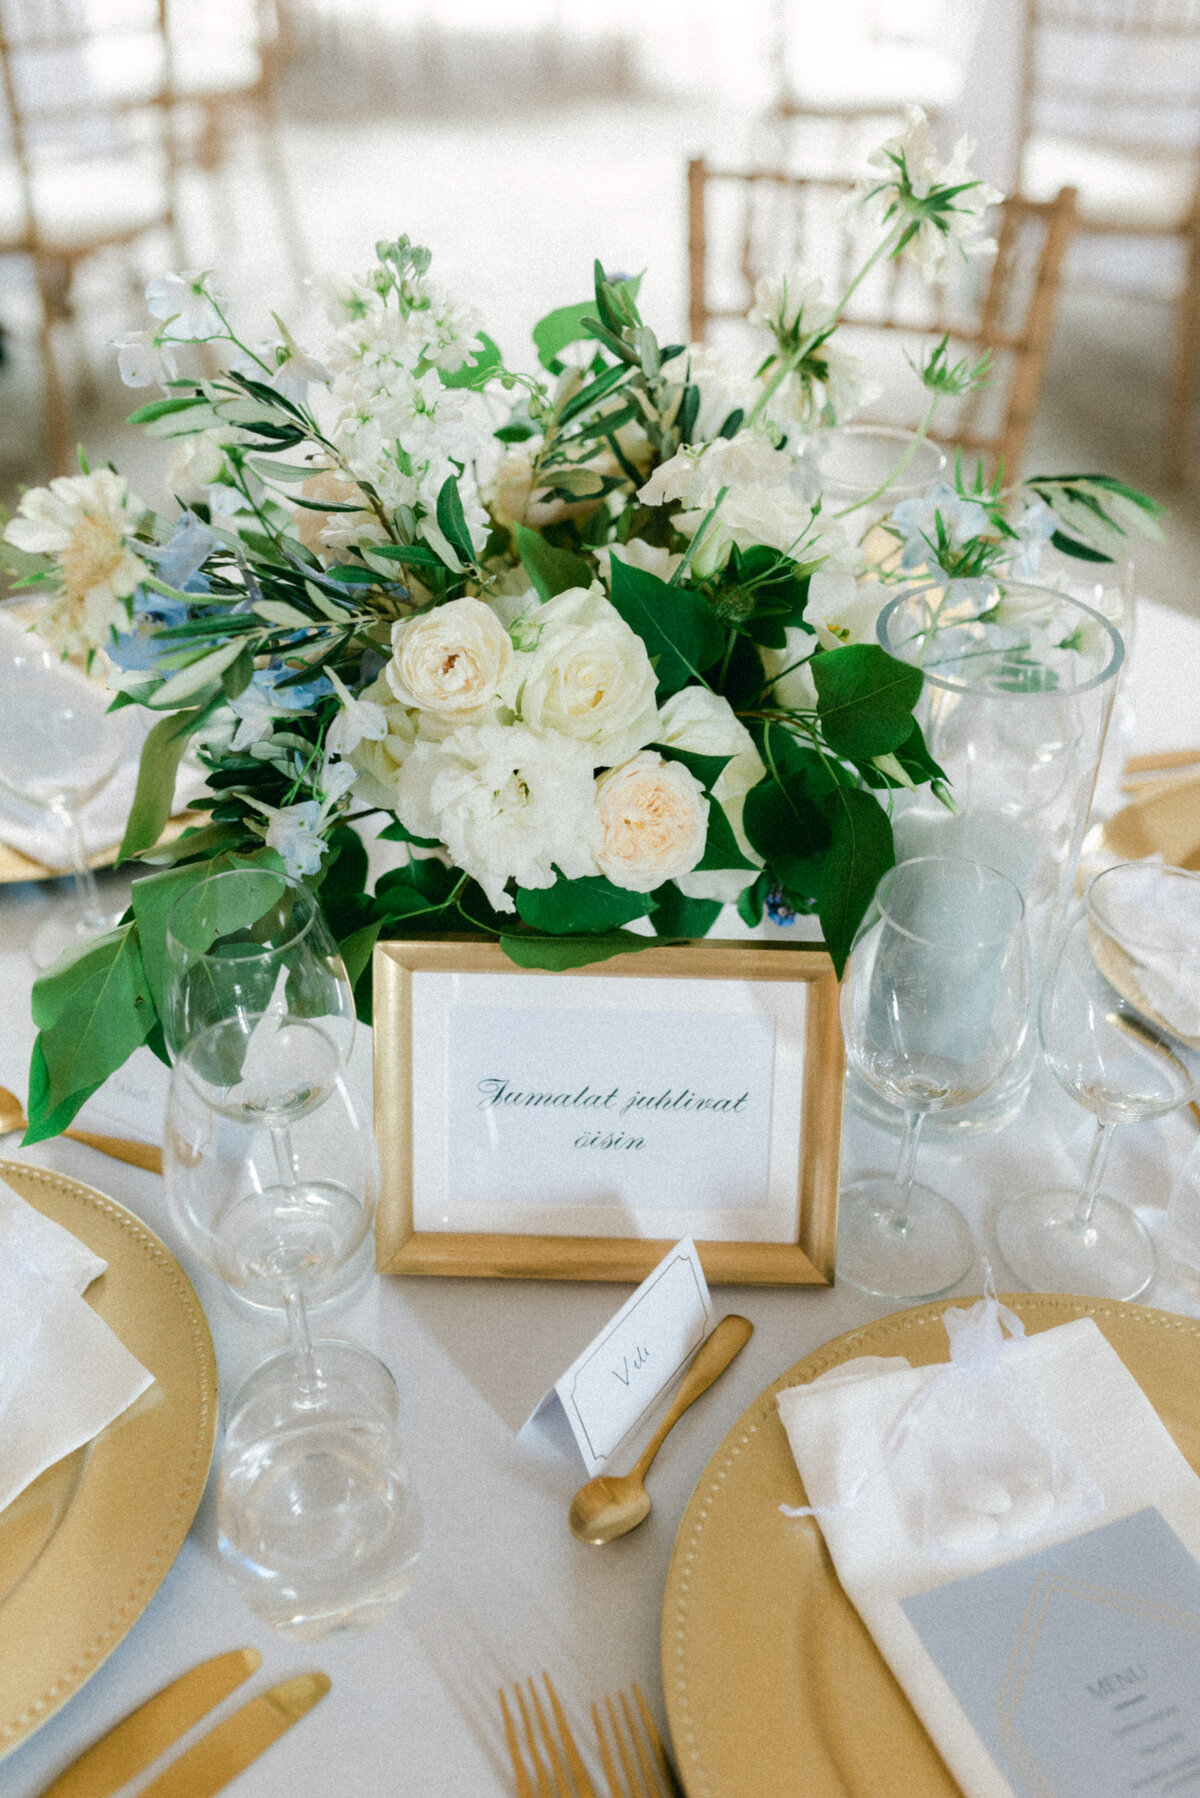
[(647, 1771), (567, 1777)]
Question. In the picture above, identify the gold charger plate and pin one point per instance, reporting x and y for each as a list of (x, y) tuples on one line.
[(1164, 822), (85, 1547), (14, 866), (773, 1686)]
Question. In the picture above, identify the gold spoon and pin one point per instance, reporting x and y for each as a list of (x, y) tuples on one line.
[(137, 1154), (614, 1504)]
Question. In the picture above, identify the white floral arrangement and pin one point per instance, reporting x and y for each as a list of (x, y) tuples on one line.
[(586, 637)]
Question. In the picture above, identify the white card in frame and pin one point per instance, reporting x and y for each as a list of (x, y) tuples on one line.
[(571, 1126)]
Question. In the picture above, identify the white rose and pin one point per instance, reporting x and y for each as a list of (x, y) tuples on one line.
[(379, 760), (588, 676), (704, 723), (508, 805), (451, 660), (795, 688), (654, 822)]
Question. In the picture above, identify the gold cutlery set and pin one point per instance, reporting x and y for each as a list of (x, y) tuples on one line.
[(163, 1720), (550, 1765)]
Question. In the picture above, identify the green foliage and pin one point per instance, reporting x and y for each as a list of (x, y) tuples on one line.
[(860, 853), (865, 699), (589, 904), (559, 954), (675, 915), (551, 570), (92, 1009), (157, 770), (682, 634)]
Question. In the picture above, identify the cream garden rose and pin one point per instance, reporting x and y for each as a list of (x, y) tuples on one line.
[(705, 724), (654, 822), (85, 522), (450, 661), (508, 805), (588, 676)]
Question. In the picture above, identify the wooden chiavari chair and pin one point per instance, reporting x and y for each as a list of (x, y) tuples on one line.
[(1110, 102), (746, 224)]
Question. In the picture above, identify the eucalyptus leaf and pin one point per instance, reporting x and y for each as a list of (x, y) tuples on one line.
[(861, 851), (591, 903), (157, 771), (682, 634), (865, 699), (558, 954)]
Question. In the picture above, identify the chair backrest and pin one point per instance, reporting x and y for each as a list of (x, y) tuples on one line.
[(80, 80), (1112, 73), (746, 224)]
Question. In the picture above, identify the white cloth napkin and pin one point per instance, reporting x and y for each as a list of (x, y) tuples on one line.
[(42, 837), (64, 1376), (843, 1428), (1157, 923)]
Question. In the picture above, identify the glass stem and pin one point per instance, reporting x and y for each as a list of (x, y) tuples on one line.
[(301, 1341), (285, 1160), (1095, 1173), (85, 881), (909, 1143)]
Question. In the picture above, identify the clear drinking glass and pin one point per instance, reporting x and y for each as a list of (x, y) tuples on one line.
[(1120, 1027), (862, 471), (59, 746), (934, 1005), (319, 1525)]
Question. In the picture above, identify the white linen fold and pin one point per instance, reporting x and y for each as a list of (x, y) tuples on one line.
[(64, 1375), (867, 1478)]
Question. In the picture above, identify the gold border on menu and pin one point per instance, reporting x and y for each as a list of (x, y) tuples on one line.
[(808, 1261)]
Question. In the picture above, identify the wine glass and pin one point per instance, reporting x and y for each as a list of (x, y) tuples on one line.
[(1120, 1026), (934, 1006), (59, 746)]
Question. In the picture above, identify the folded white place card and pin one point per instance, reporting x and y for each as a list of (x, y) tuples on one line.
[(610, 1387)]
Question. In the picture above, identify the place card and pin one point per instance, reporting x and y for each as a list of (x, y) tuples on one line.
[(625, 1369), (1079, 1664)]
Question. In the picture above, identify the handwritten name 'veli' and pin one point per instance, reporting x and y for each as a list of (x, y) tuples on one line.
[(497, 1092), (628, 1368)]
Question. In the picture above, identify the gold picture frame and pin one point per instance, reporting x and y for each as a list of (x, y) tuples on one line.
[(807, 1261)]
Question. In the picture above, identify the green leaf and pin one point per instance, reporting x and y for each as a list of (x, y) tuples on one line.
[(452, 522), (865, 699), (752, 899), (164, 409), (788, 829), (356, 950), (676, 915), (50, 1120), (93, 1010), (155, 793), (707, 769), (1071, 546), (482, 367), (203, 841), (348, 864), (721, 846), (591, 903), (682, 633), (566, 325), (152, 898), (399, 833), (239, 674), (197, 676), (557, 954), (551, 570), (861, 851)]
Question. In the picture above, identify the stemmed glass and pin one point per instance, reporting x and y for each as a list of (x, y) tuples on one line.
[(1120, 1027), (934, 1006), (271, 1175), (59, 747)]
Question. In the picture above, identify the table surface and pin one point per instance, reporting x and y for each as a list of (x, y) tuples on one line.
[(502, 1588)]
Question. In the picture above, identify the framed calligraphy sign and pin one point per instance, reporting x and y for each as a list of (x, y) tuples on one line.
[(574, 1125)]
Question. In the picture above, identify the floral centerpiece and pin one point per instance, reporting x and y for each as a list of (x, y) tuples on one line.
[(588, 638)]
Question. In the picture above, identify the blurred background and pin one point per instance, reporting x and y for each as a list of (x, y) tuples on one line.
[(272, 139)]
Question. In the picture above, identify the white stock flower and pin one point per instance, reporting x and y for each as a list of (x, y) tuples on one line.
[(843, 610), (380, 759), (1034, 528), (194, 464), (762, 503), (508, 805), (654, 822), (84, 521), (142, 361), (912, 172), (294, 832), (451, 660), (704, 723), (723, 389), (588, 677), (184, 301)]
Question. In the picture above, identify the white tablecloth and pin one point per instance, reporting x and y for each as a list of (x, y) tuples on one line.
[(503, 1589)]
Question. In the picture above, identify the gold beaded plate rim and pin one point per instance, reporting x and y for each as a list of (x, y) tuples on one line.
[(772, 1684), (84, 1549)]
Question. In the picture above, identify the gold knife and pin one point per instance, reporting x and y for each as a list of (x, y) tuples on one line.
[(146, 1732), (217, 1757)]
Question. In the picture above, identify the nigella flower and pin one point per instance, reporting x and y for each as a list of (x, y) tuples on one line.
[(778, 909)]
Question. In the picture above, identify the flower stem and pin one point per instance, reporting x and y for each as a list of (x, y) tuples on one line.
[(917, 439)]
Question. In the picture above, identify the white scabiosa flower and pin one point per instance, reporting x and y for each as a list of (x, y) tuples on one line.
[(508, 805), (588, 677), (704, 723), (85, 522), (654, 822), (942, 204), (451, 661)]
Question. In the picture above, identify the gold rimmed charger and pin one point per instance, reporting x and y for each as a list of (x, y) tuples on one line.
[(85, 1547), (15, 867), (1165, 822), (773, 1685)]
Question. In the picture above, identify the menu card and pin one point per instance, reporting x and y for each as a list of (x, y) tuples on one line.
[(1079, 1664)]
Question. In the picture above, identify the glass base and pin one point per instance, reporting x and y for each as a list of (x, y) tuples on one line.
[(916, 1254), (306, 1238), (1109, 1257)]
